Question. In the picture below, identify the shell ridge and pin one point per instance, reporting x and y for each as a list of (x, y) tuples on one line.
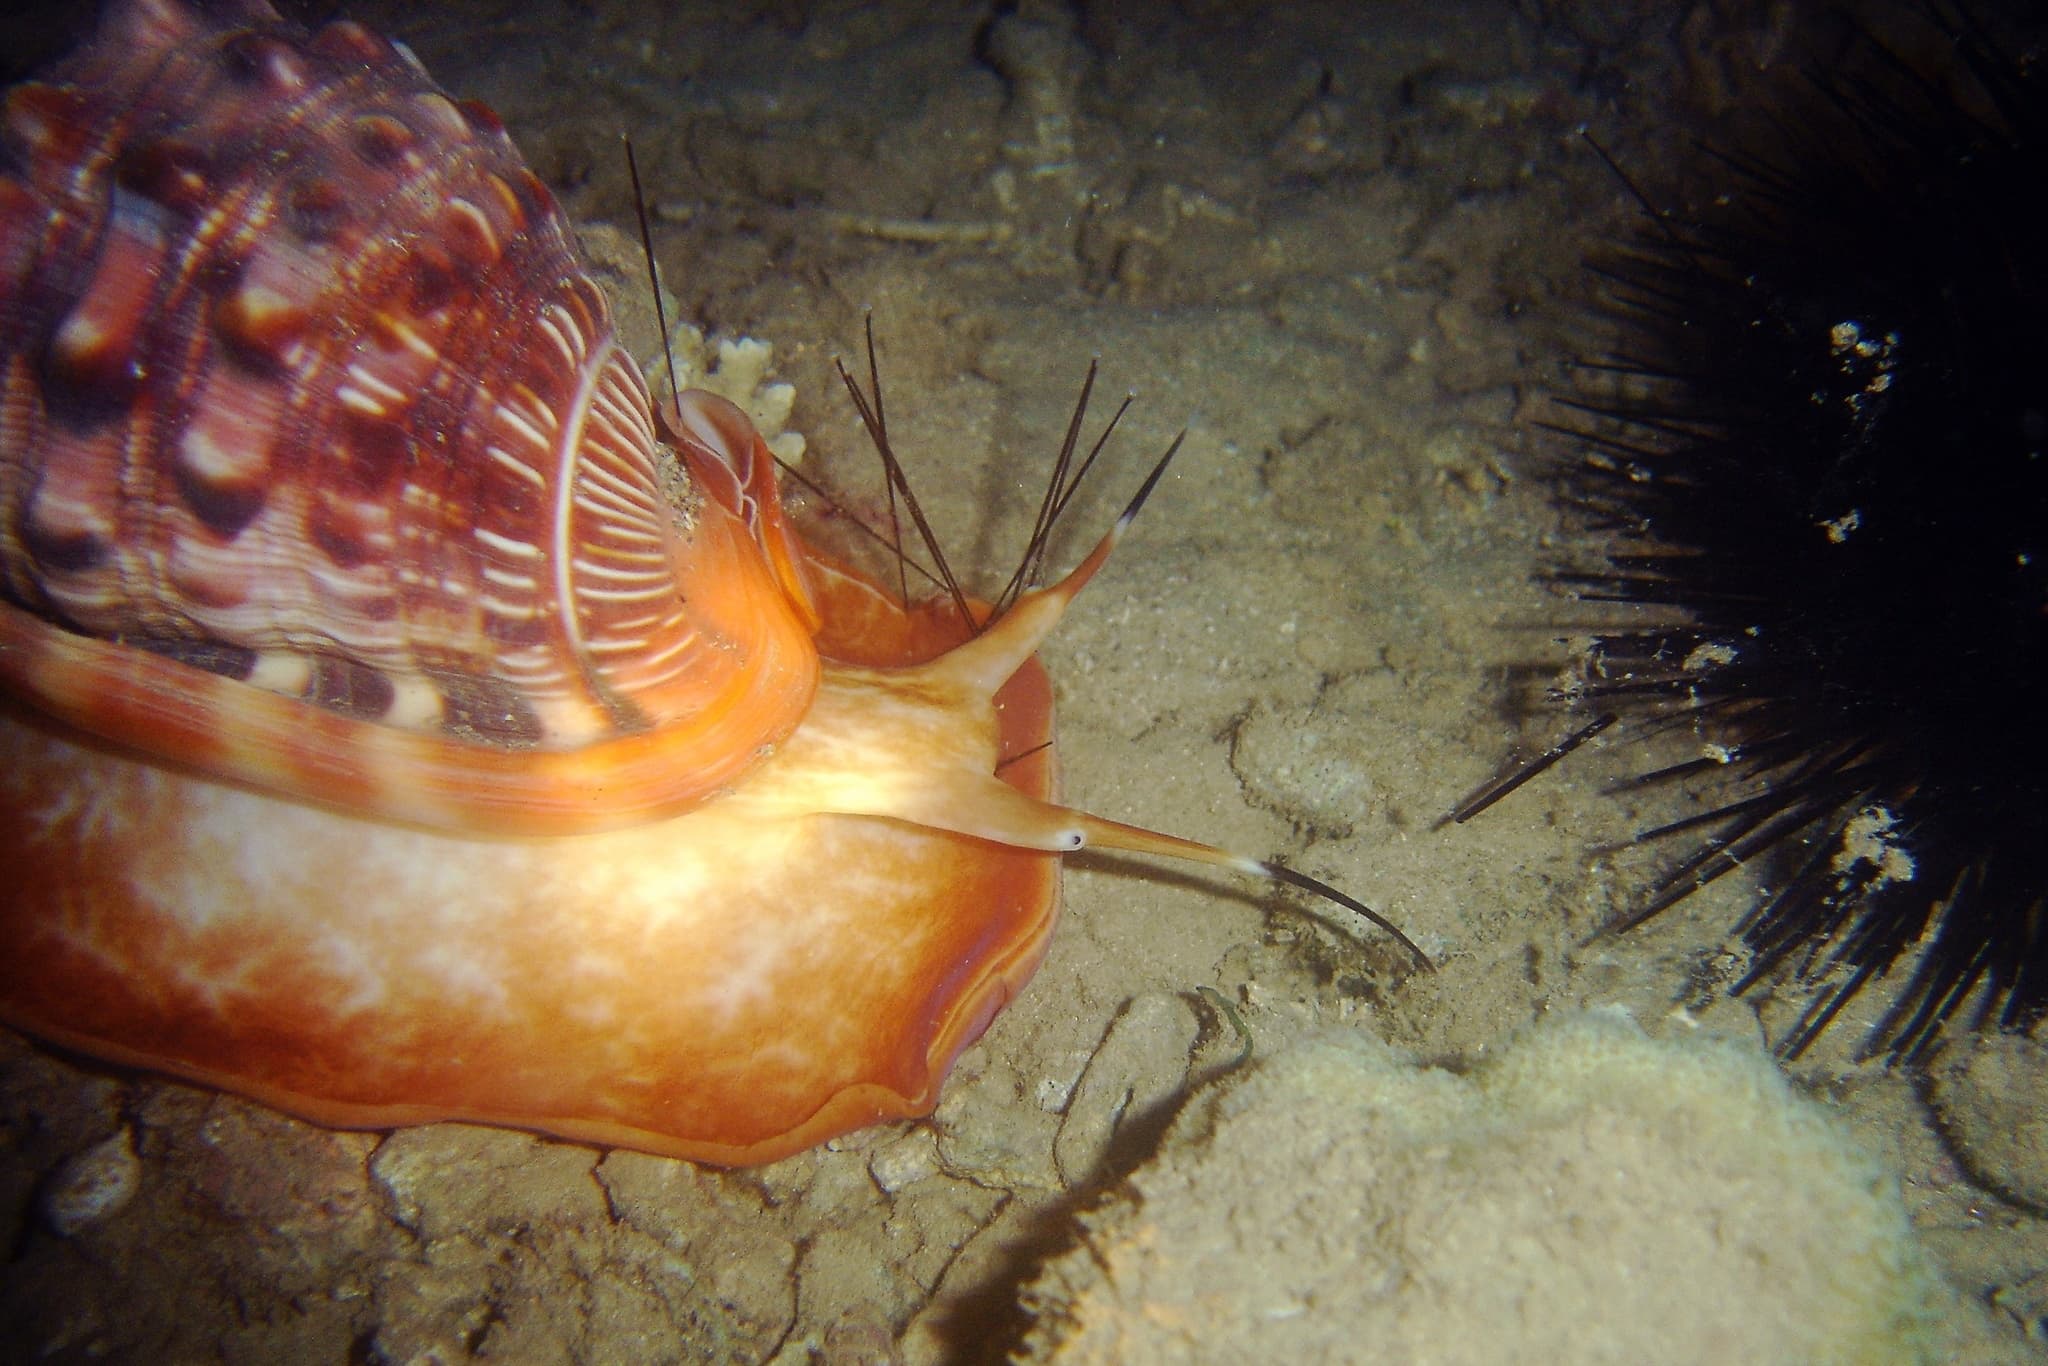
[(567, 561), (159, 705)]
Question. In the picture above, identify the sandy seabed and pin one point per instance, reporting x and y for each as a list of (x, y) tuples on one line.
[(1341, 245)]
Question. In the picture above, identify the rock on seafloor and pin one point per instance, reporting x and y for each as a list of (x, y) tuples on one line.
[(93, 1185), (1585, 1194), (1991, 1091)]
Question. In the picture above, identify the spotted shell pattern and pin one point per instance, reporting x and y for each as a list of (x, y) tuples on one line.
[(306, 386)]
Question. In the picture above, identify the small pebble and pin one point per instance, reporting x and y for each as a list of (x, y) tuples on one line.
[(909, 1159), (93, 1185)]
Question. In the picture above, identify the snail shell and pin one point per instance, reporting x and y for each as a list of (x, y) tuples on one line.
[(307, 388)]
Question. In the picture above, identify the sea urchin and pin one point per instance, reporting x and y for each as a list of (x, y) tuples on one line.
[(1818, 462)]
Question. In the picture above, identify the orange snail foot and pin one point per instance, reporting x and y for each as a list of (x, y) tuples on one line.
[(731, 985)]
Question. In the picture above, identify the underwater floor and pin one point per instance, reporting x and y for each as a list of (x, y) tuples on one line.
[(1342, 246)]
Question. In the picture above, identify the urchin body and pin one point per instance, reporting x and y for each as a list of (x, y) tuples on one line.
[(1821, 463)]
